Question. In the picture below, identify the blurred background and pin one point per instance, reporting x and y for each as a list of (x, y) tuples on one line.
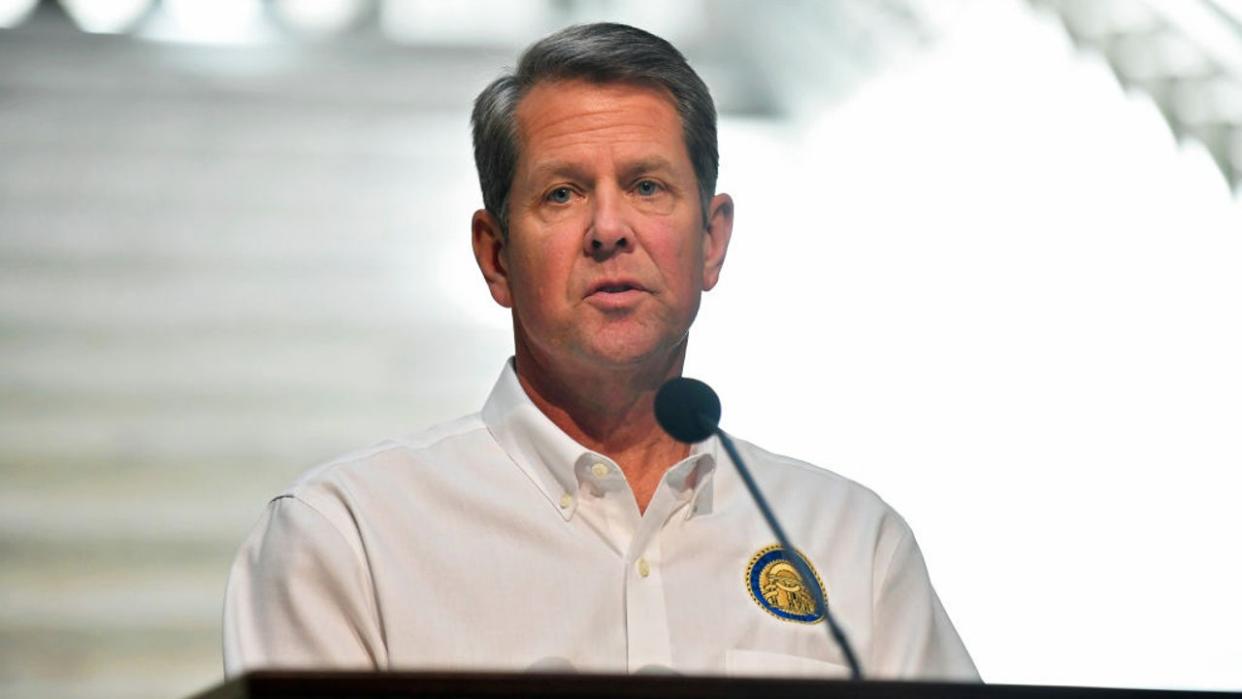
[(986, 262)]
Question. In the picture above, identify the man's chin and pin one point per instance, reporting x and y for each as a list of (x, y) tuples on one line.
[(607, 349), (621, 354)]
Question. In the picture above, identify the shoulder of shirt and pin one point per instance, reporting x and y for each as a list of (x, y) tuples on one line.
[(811, 479), (358, 461)]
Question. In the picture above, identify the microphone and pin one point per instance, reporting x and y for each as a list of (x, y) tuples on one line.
[(689, 411)]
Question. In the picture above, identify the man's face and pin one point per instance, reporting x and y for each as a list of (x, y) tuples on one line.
[(607, 251)]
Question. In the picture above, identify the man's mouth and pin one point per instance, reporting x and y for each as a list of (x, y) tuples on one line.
[(616, 294), (615, 286)]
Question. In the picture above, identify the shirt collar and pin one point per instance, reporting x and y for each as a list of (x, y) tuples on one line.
[(560, 466)]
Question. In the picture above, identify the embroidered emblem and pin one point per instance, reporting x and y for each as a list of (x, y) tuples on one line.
[(775, 585)]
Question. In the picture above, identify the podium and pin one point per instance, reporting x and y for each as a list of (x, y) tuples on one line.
[(446, 685)]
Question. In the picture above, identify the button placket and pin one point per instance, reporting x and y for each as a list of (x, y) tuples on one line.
[(646, 609)]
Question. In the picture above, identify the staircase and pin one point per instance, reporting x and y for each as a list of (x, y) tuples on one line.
[(206, 286)]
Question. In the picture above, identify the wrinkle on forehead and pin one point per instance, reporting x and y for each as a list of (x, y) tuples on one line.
[(593, 111), (593, 116)]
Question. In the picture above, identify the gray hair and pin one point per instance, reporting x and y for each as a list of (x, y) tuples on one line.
[(598, 53)]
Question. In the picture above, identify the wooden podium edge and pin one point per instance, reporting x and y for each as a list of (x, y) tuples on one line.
[(282, 684)]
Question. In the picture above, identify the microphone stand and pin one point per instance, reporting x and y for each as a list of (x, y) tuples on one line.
[(804, 571)]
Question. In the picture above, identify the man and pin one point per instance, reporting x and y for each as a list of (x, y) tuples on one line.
[(561, 527)]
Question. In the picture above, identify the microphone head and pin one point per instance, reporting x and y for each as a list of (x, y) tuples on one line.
[(687, 409)]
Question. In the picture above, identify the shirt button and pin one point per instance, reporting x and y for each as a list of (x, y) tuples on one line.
[(643, 568), (600, 470), (566, 501)]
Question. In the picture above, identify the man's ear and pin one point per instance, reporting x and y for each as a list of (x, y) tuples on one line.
[(716, 239), (491, 255)]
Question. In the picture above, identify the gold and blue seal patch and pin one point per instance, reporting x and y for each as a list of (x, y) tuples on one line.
[(775, 585)]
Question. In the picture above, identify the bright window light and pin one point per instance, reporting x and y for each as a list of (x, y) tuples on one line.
[(216, 22), (105, 16), (994, 287), (316, 18), (14, 12), (480, 22)]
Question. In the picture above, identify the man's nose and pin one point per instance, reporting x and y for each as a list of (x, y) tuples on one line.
[(609, 231)]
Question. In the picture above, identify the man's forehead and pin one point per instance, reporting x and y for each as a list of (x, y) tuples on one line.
[(581, 105), (590, 91), (566, 113)]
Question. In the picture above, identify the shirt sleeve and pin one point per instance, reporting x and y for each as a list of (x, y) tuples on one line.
[(299, 595), (913, 637)]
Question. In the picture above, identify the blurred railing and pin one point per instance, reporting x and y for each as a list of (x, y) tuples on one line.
[(1185, 54)]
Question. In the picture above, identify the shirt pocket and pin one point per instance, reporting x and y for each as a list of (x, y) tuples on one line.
[(758, 663)]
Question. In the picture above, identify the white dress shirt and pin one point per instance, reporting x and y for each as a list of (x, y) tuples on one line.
[(496, 542)]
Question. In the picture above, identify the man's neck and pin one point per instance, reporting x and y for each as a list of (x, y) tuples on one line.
[(610, 412)]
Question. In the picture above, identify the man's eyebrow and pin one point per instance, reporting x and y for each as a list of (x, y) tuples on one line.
[(643, 166), (557, 169)]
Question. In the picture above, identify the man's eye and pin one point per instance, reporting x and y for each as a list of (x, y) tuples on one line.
[(647, 187), (560, 195)]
